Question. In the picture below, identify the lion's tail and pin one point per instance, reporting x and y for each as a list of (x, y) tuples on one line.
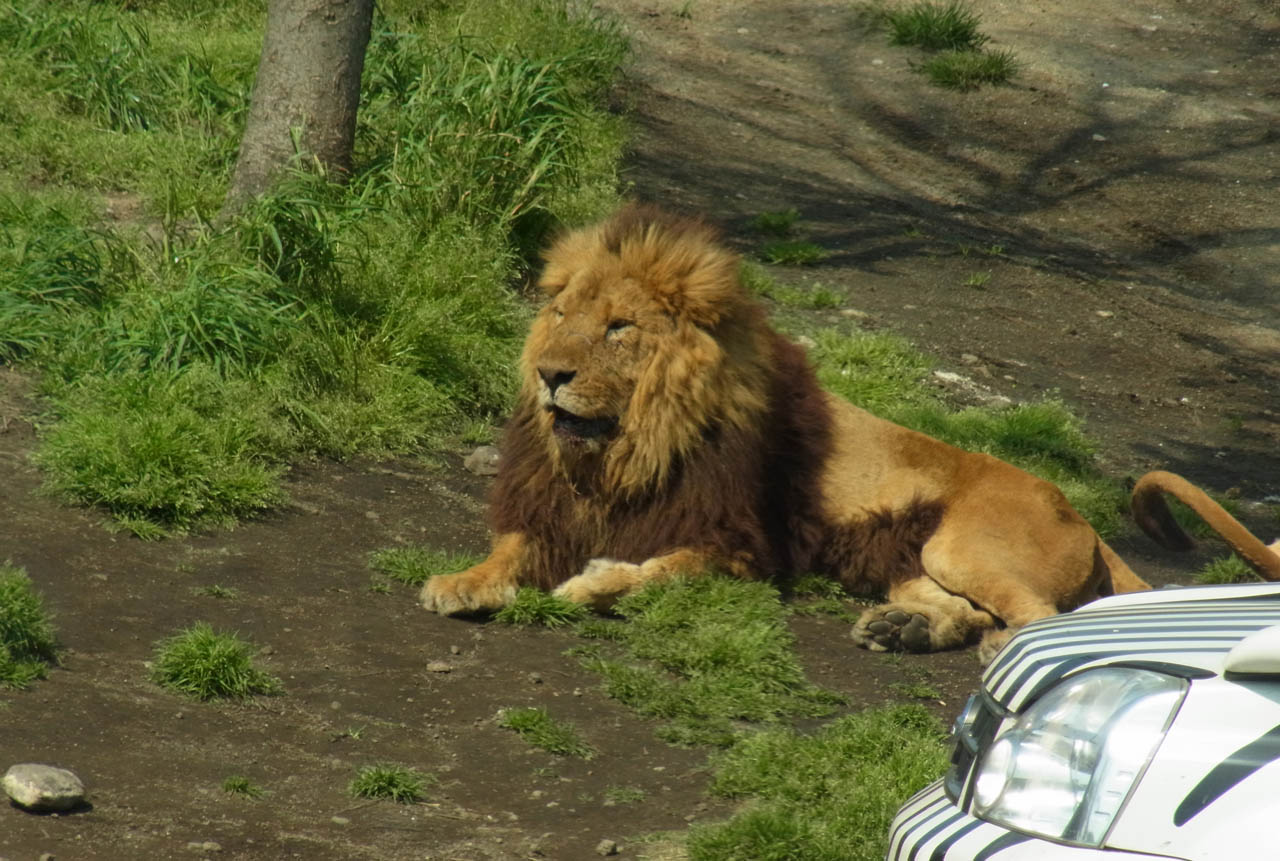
[(1154, 518)]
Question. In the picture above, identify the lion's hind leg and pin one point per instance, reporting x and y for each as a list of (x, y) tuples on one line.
[(921, 616)]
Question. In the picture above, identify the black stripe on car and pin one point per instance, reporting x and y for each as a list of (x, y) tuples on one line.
[(940, 852), (943, 825), (1228, 773), (1001, 843)]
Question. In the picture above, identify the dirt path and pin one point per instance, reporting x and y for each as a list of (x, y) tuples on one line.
[(1128, 179), (1131, 170)]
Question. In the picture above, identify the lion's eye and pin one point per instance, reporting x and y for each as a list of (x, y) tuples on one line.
[(617, 327)]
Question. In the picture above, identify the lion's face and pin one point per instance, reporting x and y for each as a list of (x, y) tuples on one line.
[(647, 340), (587, 351)]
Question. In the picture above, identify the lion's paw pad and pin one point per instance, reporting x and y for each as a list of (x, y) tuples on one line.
[(896, 629)]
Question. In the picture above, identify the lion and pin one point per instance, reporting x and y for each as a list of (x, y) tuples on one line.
[(1153, 517), (663, 429)]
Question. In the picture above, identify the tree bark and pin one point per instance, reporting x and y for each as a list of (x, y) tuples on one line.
[(308, 88)]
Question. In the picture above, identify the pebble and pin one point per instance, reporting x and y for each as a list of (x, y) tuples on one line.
[(340, 820), (43, 787), (204, 846), (483, 461), (439, 667), (607, 847)]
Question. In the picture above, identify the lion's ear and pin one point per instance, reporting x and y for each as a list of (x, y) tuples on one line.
[(705, 288), (565, 256)]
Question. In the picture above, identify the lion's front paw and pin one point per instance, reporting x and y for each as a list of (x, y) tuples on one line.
[(601, 583), (467, 591), (889, 627)]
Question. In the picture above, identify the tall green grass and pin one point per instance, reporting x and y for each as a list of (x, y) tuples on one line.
[(185, 362), (27, 642)]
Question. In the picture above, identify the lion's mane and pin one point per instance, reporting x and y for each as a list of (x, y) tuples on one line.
[(723, 440)]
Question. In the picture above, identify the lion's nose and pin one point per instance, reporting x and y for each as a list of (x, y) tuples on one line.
[(555, 378)]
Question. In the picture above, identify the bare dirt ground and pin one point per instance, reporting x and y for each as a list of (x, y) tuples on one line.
[(1128, 181)]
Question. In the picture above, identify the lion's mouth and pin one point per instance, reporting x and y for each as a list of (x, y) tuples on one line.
[(574, 427)]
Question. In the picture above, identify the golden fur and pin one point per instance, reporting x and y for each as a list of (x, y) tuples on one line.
[(1153, 516), (664, 429)]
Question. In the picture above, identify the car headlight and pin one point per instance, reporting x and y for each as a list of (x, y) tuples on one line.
[(1067, 765)]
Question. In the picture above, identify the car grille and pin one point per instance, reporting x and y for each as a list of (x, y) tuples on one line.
[(973, 732)]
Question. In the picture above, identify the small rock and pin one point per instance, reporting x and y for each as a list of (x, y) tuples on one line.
[(439, 667), (969, 359), (535, 678), (1105, 314), (204, 846), (607, 847), (455, 650), (340, 820), (47, 856), (483, 461), (43, 787), (806, 342)]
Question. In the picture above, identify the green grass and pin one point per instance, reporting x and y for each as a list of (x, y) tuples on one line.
[(792, 252), (707, 656), (779, 223), (617, 795), (814, 298), (935, 27), (950, 33), (542, 731), (389, 781), (968, 70), (242, 787), (535, 607), (1228, 569), (828, 796), (27, 642), (185, 364), (222, 593), (201, 663), (413, 566)]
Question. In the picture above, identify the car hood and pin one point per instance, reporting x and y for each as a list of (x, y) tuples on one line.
[(1191, 628)]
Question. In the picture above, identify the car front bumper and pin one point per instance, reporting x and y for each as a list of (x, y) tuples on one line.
[(930, 827)]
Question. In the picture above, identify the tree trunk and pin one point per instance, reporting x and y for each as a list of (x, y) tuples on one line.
[(308, 88)]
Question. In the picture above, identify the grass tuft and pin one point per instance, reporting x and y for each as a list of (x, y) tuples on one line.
[(825, 796), (793, 252), (1228, 569), (397, 783), (779, 223), (203, 664), (27, 643), (935, 27), (414, 566), (968, 70), (539, 729), (242, 787), (535, 607), (704, 654)]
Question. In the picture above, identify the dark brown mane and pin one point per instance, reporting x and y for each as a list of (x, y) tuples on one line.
[(750, 495)]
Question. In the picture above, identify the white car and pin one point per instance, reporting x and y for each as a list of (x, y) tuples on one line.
[(1141, 726)]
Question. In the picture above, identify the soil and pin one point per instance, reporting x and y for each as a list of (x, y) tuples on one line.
[(1103, 230)]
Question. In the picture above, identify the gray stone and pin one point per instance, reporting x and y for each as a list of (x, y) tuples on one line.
[(43, 787), (607, 847), (483, 461)]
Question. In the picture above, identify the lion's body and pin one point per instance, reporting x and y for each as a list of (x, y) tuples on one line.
[(664, 429)]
